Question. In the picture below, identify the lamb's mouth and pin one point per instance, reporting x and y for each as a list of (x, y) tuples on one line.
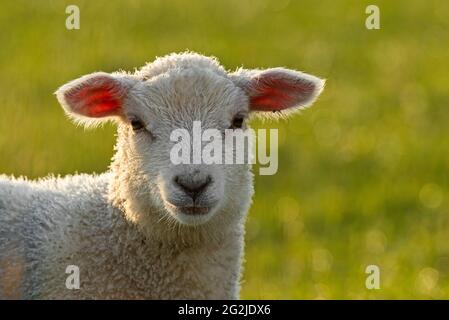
[(190, 210)]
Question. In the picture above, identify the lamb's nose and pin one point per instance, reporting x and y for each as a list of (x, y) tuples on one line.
[(192, 187)]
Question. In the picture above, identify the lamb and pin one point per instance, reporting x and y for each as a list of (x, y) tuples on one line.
[(145, 229)]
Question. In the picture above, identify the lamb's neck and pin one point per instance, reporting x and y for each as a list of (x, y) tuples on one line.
[(194, 263), (153, 266)]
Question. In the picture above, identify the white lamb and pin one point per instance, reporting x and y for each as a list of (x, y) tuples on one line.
[(147, 228)]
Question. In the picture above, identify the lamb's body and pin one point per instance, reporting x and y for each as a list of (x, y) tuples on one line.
[(150, 227), (54, 223)]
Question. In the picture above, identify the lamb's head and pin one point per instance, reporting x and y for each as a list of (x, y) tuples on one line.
[(182, 91)]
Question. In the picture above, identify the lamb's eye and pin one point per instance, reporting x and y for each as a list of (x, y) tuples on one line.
[(137, 124), (237, 122)]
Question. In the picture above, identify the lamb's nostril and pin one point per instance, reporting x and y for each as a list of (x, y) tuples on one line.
[(192, 187)]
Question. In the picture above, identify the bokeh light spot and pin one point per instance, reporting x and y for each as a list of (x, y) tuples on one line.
[(321, 260), (431, 196), (427, 280)]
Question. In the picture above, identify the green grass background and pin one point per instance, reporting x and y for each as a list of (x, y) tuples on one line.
[(363, 174)]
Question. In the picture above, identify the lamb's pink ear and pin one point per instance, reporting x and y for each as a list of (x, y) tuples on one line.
[(94, 96), (278, 89)]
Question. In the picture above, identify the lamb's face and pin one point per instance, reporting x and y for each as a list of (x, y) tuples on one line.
[(156, 109), (193, 94)]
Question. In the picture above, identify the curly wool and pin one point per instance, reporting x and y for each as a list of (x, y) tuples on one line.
[(53, 223)]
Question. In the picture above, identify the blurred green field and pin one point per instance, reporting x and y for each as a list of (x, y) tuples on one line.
[(363, 175)]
